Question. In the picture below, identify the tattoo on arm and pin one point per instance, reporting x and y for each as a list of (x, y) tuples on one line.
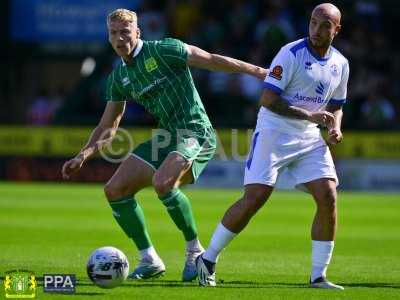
[(282, 107)]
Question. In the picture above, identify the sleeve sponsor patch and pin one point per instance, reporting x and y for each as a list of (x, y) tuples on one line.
[(276, 72)]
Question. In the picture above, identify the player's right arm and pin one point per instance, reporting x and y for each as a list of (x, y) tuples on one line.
[(280, 106), (181, 54), (199, 58), (101, 136)]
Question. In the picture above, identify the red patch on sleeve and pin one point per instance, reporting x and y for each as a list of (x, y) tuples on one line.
[(276, 72)]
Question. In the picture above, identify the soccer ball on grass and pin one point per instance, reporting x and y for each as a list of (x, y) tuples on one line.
[(107, 267)]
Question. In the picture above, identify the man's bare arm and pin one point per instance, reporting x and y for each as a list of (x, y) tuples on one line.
[(337, 111), (280, 106), (202, 59), (101, 136), (105, 130), (335, 133)]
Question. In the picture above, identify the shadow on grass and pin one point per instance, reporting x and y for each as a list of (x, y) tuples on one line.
[(386, 285), (221, 284), (260, 285)]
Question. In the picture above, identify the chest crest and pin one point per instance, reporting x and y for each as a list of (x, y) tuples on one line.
[(150, 64)]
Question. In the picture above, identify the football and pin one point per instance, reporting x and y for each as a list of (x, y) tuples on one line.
[(107, 267)]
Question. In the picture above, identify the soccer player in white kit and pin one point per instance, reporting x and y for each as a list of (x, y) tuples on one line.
[(307, 86)]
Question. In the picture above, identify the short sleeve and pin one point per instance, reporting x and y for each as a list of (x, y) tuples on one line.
[(113, 89), (173, 51), (280, 72), (340, 93)]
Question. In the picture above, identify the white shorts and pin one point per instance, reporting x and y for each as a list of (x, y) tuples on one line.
[(302, 158)]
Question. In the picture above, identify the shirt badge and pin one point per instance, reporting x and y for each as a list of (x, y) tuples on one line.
[(276, 72), (150, 64), (334, 70)]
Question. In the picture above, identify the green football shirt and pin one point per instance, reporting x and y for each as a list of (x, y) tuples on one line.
[(159, 79)]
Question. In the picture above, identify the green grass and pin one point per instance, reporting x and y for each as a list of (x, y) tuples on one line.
[(53, 229)]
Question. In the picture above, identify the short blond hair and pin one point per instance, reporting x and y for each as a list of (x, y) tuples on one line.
[(122, 14)]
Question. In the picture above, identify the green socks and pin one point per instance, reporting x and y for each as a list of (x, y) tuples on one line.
[(130, 218), (129, 215), (180, 210)]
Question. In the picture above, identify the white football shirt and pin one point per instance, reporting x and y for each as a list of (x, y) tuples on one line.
[(305, 80)]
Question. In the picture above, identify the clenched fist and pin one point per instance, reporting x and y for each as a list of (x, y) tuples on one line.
[(335, 136), (72, 166)]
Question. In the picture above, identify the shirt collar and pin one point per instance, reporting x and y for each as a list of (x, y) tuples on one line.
[(139, 47)]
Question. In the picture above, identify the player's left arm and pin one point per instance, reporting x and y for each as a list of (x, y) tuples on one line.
[(335, 105), (335, 134), (199, 58)]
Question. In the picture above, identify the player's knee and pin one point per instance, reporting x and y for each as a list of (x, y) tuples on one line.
[(114, 191), (161, 184), (327, 199), (110, 191)]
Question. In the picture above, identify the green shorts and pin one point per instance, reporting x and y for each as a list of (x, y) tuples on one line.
[(196, 146)]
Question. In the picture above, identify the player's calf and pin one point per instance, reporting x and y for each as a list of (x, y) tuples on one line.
[(240, 213)]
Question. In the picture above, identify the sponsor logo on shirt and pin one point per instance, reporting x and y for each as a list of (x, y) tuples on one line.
[(276, 72), (150, 64), (149, 87), (308, 65), (298, 98)]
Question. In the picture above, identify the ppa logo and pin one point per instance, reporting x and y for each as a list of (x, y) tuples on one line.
[(59, 283)]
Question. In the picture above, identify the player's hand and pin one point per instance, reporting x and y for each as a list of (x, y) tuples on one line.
[(72, 166), (335, 136), (324, 118)]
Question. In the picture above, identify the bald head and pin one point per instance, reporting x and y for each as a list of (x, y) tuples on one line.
[(324, 25), (329, 11)]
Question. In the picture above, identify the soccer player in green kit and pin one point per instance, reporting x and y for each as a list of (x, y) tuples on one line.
[(156, 74)]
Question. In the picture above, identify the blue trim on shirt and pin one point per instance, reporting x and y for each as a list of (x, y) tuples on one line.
[(274, 88), (316, 56), (298, 47), (253, 147), (337, 101)]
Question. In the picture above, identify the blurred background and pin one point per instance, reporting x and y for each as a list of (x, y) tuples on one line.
[(55, 59)]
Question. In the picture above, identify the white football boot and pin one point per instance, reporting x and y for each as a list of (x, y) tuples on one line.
[(323, 283), (205, 277)]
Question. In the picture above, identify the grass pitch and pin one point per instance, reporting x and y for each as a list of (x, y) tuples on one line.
[(53, 229)]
